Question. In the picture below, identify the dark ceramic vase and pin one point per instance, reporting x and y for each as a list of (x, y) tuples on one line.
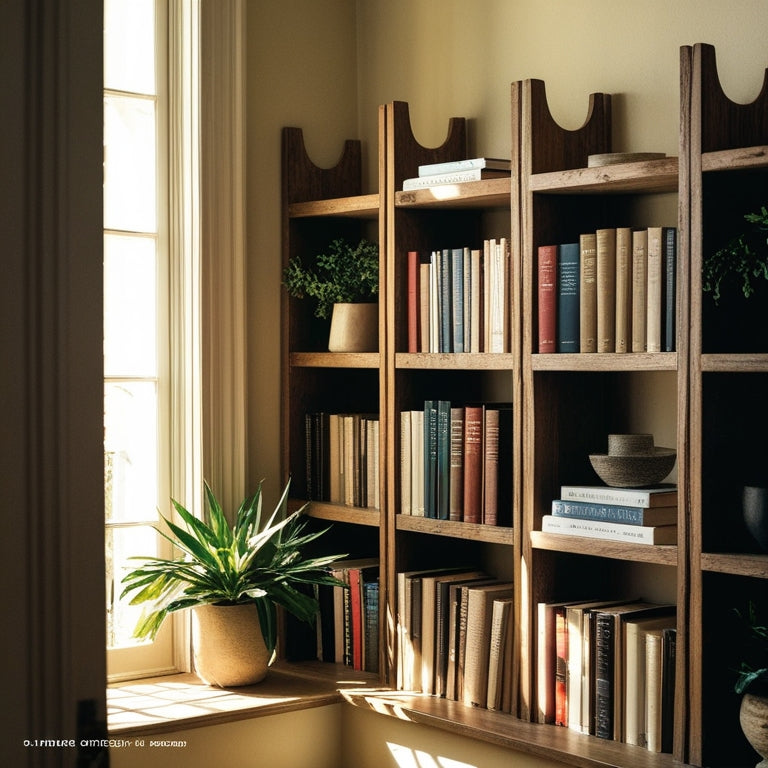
[(755, 507)]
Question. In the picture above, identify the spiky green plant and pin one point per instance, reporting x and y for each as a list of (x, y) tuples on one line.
[(251, 561)]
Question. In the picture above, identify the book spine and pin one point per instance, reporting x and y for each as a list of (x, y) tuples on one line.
[(561, 666), (473, 463), (457, 177), (604, 675), (567, 311), (670, 288), (594, 529), (371, 608), (491, 467), (476, 304), (623, 289), (653, 703), (457, 299), (600, 512), (424, 306), (454, 166), (430, 458), (443, 469), (466, 288), (606, 290), (457, 465), (639, 288), (446, 303), (547, 297), (668, 663), (654, 295), (629, 497), (588, 292), (413, 301)]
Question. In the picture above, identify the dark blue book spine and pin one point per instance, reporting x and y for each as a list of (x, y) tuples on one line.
[(568, 298), (446, 307), (607, 512), (443, 471), (670, 288), (430, 458)]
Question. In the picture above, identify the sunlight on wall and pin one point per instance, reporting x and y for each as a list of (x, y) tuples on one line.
[(405, 757)]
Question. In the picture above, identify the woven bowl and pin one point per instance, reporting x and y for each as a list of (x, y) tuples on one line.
[(634, 471)]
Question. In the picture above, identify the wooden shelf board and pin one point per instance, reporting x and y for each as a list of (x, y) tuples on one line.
[(466, 361), (359, 206), (488, 193), (734, 363), (615, 550), (736, 564), (735, 159), (630, 361), (334, 359), (341, 513), (649, 176), (470, 531), (544, 741)]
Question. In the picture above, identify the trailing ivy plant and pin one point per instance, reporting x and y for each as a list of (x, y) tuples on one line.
[(344, 274), (745, 256)]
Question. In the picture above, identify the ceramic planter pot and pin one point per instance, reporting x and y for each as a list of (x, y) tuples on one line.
[(755, 506), (753, 716), (354, 328), (229, 648)]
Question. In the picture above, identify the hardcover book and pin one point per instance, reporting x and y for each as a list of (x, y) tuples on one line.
[(567, 310), (453, 166), (595, 529), (639, 288), (588, 292), (606, 289), (615, 513), (660, 496), (547, 297)]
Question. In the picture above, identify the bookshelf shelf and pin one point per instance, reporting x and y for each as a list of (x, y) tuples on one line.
[(739, 158), (734, 363), (459, 362), (359, 206), (615, 550), (335, 359), (470, 531), (631, 361), (489, 193), (644, 177), (754, 566), (344, 514)]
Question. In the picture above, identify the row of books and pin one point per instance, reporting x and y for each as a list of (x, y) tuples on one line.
[(458, 172), (458, 299), (456, 462), (342, 458), (454, 630), (637, 515), (348, 626), (607, 668), (613, 291)]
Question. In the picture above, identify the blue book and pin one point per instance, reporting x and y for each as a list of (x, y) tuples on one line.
[(615, 513), (457, 304), (670, 288), (446, 307), (430, 458), (568, 298)]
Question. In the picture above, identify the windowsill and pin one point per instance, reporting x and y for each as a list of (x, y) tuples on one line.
[(176, 702)]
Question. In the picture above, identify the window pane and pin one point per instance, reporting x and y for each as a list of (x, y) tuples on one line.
[(129, 164), (130, 451), (124, 543), (130, 306), (129, 45)]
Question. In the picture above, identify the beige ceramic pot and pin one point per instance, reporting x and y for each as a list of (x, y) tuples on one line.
[(753, 717), (354, 328), (228, 645)]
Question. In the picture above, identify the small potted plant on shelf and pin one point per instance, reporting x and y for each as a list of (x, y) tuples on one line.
[(233, 577), (344, 283), (752, 683)]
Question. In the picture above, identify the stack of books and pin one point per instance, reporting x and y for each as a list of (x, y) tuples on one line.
[(459, 299), (607, 668), (456, 462), (637, 515), (458, 172), (612, 291), (454, 629)]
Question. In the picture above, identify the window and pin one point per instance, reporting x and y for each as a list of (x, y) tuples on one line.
[(136, 329)]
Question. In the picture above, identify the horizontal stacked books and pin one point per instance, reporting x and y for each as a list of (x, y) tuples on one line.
[(348, 627), (342, 458), (607, 668), (458, 299), (455, 462), (636, 515), (454, 630), (613, 291), (458, 172)]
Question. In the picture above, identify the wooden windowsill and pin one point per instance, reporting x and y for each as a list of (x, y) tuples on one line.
[(175, 702)]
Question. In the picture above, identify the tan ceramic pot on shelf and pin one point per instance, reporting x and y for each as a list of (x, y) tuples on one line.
[(354, 328)]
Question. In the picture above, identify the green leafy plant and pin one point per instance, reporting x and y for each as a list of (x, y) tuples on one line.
[(745, 256), (251, 561), (345, 274), (754, 667)]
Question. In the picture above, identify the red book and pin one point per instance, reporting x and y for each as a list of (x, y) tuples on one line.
[(473, 463), (561, 666), (356, 616), (413, 301), (547, 294)]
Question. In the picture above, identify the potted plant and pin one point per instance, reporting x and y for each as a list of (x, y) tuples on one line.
[(752, 683), (344, 283), (233, 577)]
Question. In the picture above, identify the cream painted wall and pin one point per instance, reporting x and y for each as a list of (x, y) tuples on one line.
[(301, 71)]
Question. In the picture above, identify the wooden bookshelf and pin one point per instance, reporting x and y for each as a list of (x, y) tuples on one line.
[(704, 398)]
